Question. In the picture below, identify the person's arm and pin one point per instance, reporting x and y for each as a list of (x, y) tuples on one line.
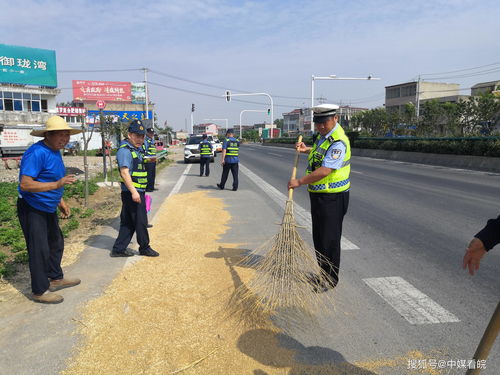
[(127, 180), (490, 234), (30, 185), (64, 208), (486, 239), (223, 156), (317, 175), (301, 147)]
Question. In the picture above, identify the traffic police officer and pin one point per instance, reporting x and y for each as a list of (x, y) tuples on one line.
[(206, 154), (133, 217), (327, 177), (230, 160), (150, 160)]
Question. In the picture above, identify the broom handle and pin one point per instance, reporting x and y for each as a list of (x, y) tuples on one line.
[(294, 170)]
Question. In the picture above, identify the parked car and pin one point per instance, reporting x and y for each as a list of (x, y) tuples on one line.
[(217, 145), (191, 152), (72, 148)]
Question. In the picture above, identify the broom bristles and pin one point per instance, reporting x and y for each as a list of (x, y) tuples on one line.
[(283, 276)]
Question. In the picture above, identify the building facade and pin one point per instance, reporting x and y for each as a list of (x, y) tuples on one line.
[(397, 96)]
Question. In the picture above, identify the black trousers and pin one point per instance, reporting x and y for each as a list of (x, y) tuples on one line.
[(233, 167), (205, 166), (45, 244), (327, 212), (133, 219), (151, 169)]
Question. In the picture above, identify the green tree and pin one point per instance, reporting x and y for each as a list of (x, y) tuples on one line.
[(279, 123)]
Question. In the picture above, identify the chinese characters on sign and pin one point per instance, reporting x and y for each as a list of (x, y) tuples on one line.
[(30, 66), (102, 90), (71, 111)]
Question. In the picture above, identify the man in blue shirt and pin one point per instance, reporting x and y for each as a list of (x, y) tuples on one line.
[(230, 160), (134, 181), (42, 178)]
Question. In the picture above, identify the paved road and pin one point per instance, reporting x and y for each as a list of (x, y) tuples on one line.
[(404, 286)]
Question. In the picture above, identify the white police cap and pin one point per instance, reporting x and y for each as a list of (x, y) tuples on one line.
[(325, 110)]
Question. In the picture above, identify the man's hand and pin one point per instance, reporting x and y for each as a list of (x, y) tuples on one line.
[(222, 162), (65, 210), (473, 254), (69, 179), (136, 197), (293, 183), (301, 147)]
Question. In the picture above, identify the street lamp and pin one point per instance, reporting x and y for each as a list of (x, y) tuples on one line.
[(248, 110), (259, 93), (334, 77)]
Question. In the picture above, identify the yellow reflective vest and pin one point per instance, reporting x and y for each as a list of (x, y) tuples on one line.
[(338, 180)]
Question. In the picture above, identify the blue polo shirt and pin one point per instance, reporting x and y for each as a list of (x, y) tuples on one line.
[(124, 159), (230, 159), (44, 165)]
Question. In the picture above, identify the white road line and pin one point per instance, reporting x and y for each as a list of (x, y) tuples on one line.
[(179, 183), (302, 216), (272, 153), (413, 305), (356, 172)]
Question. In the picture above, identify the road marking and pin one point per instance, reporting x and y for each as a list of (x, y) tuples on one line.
[(302, 216), (179, 183), (412, 304), (272, 153), (356, 172)]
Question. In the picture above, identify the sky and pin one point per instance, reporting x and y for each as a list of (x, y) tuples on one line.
[(197, 49)]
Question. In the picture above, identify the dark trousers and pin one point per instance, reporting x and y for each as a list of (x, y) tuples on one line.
[(133, 219), (205, 165), (151, 169), (45, 244), (327, 212), (233, 167)]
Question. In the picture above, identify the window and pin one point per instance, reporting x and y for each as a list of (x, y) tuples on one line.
[(35, 106), (1, 105), (18, 95), (9, 105), (409, 90), (44, 105), (18, 105), (7, 95), (393, 93)]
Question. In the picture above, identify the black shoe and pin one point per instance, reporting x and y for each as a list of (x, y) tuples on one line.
[(125, 253), (150, 225), (149, 252), (234, 189), (220, 186), (201, 175)]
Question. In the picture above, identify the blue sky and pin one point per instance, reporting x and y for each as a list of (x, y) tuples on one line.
[(258, 46)]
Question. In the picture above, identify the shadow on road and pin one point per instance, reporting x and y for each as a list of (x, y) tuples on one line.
[(281, 351)]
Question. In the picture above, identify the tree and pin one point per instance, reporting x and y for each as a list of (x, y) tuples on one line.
[(251, 135), (279, 123), (487, 112)]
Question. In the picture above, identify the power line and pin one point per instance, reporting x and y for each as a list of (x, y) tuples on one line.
[(460, 70), (99, 71)]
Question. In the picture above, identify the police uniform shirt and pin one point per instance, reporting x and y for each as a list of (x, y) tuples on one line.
[(230, 159), (124, 159), (336, 153)]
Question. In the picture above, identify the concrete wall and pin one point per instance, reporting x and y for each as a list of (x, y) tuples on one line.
[(478, 163)]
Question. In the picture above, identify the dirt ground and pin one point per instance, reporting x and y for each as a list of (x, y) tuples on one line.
[(169, 315)]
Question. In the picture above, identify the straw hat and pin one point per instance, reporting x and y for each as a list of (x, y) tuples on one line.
[(55, 123)]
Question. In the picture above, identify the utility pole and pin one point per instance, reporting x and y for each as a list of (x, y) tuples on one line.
[(147, 91)]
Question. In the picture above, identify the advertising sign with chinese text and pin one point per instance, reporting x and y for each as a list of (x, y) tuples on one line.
[(28, 66), (124, 116), (138, 93), (102, 90), (71, 111)]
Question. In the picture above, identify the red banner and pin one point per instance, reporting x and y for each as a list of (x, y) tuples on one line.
[(102, 90)]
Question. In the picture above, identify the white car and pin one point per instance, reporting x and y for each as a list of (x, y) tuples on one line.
[(191, 151)]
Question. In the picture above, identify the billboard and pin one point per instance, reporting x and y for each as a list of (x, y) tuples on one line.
[(28, 66), (71, 111), (93, 116), (138, 93), (102, 90)]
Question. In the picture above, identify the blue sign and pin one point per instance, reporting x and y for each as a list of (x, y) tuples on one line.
[(122, 115), (28, 66)]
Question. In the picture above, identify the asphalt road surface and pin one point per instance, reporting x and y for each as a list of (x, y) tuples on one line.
[(402, 287)]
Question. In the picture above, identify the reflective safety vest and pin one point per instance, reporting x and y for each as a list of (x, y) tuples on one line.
[(232, 147), (338, 180), (149, 149), (205, 149), (138, 171)]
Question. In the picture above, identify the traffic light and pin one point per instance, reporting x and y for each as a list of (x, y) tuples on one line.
[(192, 107), (228, 96), (268, 111)]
